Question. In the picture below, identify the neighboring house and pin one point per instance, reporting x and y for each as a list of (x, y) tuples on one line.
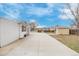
[(33, 26), (39, 29), (43, 29), (74, 31), (62, 31), (24, 29), (10, 31)]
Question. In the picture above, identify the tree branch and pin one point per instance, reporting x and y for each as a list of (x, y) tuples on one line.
[(72, 12)]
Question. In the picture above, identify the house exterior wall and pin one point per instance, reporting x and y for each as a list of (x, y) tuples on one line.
[(74, 31), (38, 29), (21, 33), (9, 32), (0, 33), (62, 31), (26, 32)]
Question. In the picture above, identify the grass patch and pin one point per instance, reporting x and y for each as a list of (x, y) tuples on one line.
[(72, 41)]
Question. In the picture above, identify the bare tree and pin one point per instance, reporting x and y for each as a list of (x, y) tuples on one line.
[(75, 13)]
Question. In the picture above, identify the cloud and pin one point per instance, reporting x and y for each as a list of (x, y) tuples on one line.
[(50, 5), (65, 13), (74, 5), (32, 20), (14, 10), (64, 17), (51, 20), (10, 12), (39, 11), (41, 26)]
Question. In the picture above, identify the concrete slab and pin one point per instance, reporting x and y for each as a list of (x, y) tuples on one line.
[(41, 44)]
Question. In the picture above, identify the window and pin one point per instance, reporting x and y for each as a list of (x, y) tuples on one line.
[(23, 28)]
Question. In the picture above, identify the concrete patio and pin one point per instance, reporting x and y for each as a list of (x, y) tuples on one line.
[(37, 44)]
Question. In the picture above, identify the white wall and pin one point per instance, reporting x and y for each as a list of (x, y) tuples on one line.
[(28, 30), (21, 33), (0, 33), (25, 32), (9, 32)]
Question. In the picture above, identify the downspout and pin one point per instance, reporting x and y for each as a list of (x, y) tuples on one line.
[(0, 34), (19, 30)]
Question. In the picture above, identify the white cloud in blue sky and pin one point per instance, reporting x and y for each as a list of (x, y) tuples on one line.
[(10, 11), (46, 14), (32, 20), (40, 11), (66, 14)]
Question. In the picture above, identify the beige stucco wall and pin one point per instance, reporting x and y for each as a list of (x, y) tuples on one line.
[(62, 31)]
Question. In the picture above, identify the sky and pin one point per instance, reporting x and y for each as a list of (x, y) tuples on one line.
[(44, 14)]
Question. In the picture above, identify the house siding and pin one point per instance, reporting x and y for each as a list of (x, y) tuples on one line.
[(9, 31)]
